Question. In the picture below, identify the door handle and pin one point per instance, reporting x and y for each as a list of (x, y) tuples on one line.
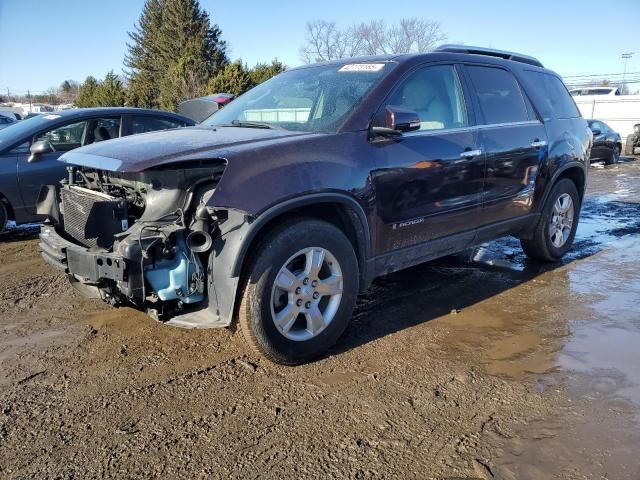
[(471, 153), (538, 144)]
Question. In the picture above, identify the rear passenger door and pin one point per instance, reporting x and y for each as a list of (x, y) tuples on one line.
[(514, 141)]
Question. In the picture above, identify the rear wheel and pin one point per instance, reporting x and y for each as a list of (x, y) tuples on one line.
[(556, 228), (628, 145), (301, 287), (614, 156)]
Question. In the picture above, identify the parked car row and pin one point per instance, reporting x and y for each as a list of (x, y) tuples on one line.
[(29, 149), (283, 205)]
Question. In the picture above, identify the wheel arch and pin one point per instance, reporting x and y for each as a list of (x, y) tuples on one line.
[(574, 172), (7, 204), (338, 209)]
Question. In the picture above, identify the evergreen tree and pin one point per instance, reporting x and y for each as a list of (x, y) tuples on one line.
[(87, 95), (110, 92), (175, 49), (264, 71), (144, 59), (234, 78)]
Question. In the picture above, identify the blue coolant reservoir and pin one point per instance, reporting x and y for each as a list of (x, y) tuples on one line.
[(171, 278)]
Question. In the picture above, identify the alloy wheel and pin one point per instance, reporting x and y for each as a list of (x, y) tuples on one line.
[(561, 220), (306, 294)]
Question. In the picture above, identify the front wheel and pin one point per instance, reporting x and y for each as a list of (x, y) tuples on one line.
[(300, 291), (556, 228), (4, 217)]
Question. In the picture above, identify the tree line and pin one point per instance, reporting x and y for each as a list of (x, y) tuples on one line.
[(175, 52)]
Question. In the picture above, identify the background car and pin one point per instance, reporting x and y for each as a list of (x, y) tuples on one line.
[(607, 143), (6, 121), (607, 91), (632, 145), (29, 149)]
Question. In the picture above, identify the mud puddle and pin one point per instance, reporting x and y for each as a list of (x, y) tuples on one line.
[(574, 326)]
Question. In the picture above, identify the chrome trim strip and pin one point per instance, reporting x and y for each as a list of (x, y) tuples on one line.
[(445, 131), (510, 124), (422, 133)]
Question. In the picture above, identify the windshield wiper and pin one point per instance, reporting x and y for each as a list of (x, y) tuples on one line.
[(244, 124)]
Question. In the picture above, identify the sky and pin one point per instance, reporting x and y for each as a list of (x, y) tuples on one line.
[(44, 42)]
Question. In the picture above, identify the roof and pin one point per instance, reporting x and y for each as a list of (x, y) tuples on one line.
[(443, 49)]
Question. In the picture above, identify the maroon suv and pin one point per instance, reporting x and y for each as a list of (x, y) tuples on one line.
[(282, 206)]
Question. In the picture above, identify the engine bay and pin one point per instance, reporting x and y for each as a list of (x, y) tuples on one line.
[(157, 221)]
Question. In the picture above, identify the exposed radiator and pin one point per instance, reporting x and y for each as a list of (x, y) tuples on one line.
[(92, 218)]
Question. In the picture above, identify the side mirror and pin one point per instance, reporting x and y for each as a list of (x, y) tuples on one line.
[(38, 149), (399, 120), (596, 132), (402, 119)]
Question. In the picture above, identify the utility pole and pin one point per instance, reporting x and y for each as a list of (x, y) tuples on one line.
[(625, 58), (29, 97)]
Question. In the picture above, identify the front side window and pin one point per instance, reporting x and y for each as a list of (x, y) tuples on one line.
[(499, 95), (147, 123), (435, 94), (66, 137), (313, 99)]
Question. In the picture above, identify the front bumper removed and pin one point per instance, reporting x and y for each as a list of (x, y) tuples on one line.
[(85, 265)]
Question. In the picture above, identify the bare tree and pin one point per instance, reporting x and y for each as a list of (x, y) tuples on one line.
[(325, 41)]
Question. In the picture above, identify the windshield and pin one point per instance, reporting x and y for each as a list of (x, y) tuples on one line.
[(314, 99), (14, 132)]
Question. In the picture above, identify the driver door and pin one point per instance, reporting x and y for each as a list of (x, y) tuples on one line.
[(429, 182)]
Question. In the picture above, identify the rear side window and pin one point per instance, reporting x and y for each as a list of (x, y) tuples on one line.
[(499, 94), (553, 94), (147, 123)]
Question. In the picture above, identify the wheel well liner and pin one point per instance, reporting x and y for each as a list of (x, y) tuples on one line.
[(338, 209)]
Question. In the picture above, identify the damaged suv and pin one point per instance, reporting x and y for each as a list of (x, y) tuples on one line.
[(282, 206)]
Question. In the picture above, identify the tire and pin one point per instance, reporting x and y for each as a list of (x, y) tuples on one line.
[(614, 156), (300, 337), (545, 244), (628, 145), (4, 217)]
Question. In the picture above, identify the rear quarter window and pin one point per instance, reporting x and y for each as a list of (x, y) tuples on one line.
[(554, 96)]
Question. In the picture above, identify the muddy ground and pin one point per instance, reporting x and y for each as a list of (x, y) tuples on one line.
[(476, 366)]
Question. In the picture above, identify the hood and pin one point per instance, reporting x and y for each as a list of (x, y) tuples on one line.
[(148, 150)]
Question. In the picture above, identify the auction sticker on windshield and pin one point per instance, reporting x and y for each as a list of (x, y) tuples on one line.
[(362, 67)]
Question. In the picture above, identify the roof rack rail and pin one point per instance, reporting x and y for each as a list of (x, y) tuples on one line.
[(516, 57)]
